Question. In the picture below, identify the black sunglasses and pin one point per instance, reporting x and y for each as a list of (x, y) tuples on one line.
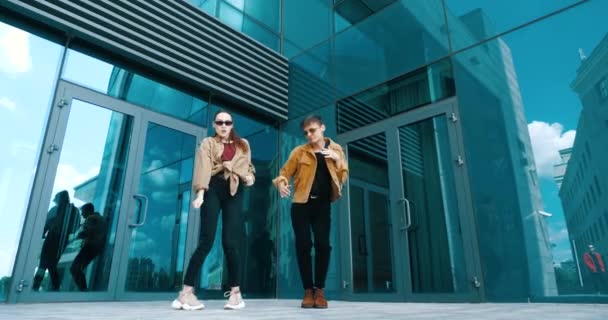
[(311, 131), (220, 122)]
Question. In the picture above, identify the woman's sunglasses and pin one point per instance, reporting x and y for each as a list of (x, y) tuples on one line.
[(220, 123)]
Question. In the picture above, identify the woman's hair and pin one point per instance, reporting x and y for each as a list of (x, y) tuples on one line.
[(234, 136)]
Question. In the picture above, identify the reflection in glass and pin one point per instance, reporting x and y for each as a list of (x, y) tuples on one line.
[(370, 222), (472, 21), (350, 12), (310, 81), (28, 65), (306, 23), (267, 12), (403, 37), (134, 88), (434, 235), (156, 254), (78, 236), (208, 6), (412, 90), (240, 22)]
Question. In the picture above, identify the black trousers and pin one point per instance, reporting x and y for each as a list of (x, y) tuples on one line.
[(599, 281), (314, 215), (49, 258), (218, 198), (86, 254)]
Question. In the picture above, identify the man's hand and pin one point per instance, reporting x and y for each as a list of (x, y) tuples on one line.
[(331, 154), (198, 201), (284, 190)]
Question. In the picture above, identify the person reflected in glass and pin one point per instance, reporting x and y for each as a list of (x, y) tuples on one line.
[(93, 234), (60, 223), (596, 267), (319, 170), (222, 166)]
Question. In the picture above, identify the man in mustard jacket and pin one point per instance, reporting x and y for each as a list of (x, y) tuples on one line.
[(319, 170)]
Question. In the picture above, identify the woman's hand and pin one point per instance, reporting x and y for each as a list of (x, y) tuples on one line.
[(198, 201), (227, 165), (249, 180)]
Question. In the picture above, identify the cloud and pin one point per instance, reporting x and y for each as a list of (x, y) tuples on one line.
[(8, 104), (547, 139), (68, 177), (14, 50), (162, 177), (559, 235)]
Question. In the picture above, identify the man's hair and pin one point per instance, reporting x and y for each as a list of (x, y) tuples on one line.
[(310, 120), (87, 208)]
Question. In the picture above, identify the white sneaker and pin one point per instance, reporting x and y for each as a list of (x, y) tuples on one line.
[(235, 301), (187, 301)]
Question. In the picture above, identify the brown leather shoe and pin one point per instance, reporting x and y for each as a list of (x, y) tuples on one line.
[(308, 301), (320, 301)]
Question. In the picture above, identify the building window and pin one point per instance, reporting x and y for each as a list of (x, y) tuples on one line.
[(602, 87)]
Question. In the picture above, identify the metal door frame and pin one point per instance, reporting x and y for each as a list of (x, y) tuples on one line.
[(30, 244), (403, 284)]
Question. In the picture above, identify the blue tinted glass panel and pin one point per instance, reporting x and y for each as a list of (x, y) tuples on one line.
[(310, 84), (350, 12), (117, 82), (209, 6), (307, 23), (290, 49), (28, 70), (529, 107), (398, 39), (414, 89), (267, 12), (472, 21), (235, 19)]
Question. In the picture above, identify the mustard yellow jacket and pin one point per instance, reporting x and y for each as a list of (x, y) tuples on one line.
[(208, 162), (302, 164)]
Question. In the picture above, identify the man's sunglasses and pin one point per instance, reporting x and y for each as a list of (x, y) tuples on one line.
[(220, 123)]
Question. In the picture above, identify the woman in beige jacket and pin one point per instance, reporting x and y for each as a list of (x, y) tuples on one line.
[(222, 163)]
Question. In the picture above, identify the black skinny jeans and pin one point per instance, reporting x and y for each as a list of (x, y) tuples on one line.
[(315, 215), (84, 257), (217, 198)]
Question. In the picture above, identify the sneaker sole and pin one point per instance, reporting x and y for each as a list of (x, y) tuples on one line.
[(176, 305), (235, 307)]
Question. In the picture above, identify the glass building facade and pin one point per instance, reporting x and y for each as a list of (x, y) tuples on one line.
[(474, 130)]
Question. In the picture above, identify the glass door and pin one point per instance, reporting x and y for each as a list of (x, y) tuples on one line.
[(110, 198), (410, 234), (156, 230)]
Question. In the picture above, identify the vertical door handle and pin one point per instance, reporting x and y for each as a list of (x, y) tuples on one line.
[(143, 206), (407, 215)]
